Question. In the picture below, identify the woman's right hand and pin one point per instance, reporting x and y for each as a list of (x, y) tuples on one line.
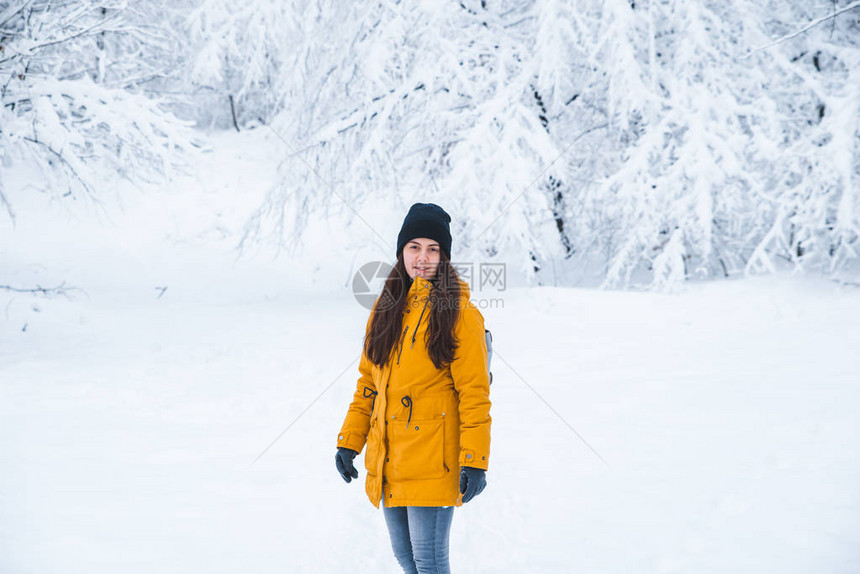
[(343, 462)]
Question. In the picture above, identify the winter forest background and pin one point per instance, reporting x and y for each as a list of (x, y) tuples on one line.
[(188, 189), (631, 141)]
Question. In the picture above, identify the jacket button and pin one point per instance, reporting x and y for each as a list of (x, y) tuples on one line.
[(386, 422), (386, 459), (340, 437), (468, 456), (483, 458)]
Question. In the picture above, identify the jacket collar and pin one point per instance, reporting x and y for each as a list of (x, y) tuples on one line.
[(420, 286)]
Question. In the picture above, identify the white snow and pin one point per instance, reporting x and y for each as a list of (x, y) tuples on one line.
[(727, 412)]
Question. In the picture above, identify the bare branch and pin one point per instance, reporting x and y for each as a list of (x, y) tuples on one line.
[(11, 12), (808, 27), (8, 206), (60, 290)]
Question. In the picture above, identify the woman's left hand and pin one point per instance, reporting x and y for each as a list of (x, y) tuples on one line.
[(472, 482)]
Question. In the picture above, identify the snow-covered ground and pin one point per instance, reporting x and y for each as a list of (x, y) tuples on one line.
[(129, 421)]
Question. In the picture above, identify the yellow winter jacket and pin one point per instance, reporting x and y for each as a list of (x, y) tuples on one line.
[(420, 423)]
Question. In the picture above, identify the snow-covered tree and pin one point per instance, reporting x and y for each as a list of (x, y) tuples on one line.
[(662, 139), (245, 56), (74, 78), (654, 140), (735, 154)]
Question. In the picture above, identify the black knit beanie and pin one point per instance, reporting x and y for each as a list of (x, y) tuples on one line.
[(426, 220)]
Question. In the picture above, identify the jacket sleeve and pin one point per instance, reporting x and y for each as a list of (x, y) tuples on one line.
[(353, 433), (472, 382)]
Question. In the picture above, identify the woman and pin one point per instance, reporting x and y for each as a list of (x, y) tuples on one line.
[(422, 403)]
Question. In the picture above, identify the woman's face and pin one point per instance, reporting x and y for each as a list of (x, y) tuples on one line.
[(421, 257)]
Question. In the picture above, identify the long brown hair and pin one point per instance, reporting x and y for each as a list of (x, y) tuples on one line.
[(444, 306)]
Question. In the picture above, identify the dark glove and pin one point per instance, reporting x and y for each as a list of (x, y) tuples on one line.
[(343, 462), (472, 482)]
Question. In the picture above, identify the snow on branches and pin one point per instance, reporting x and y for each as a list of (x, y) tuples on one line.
[(72, 77), (646, 141), (664, 139)]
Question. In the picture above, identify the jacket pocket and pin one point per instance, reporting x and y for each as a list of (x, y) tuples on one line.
[(417, 448)]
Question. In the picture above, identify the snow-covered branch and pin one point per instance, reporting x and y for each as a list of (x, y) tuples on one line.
[(803, 30), (58, 61)]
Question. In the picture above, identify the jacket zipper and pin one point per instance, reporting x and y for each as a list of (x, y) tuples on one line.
[(419, 323), (402, 337)]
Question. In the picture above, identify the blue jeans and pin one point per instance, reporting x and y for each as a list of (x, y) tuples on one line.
[(419, 537)]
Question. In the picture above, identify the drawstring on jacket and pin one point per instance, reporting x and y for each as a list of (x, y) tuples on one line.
[(368, 392), (419, 323), (406, 401), (414, 333)]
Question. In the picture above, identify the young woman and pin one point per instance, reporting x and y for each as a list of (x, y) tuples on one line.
[(422, 404)]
